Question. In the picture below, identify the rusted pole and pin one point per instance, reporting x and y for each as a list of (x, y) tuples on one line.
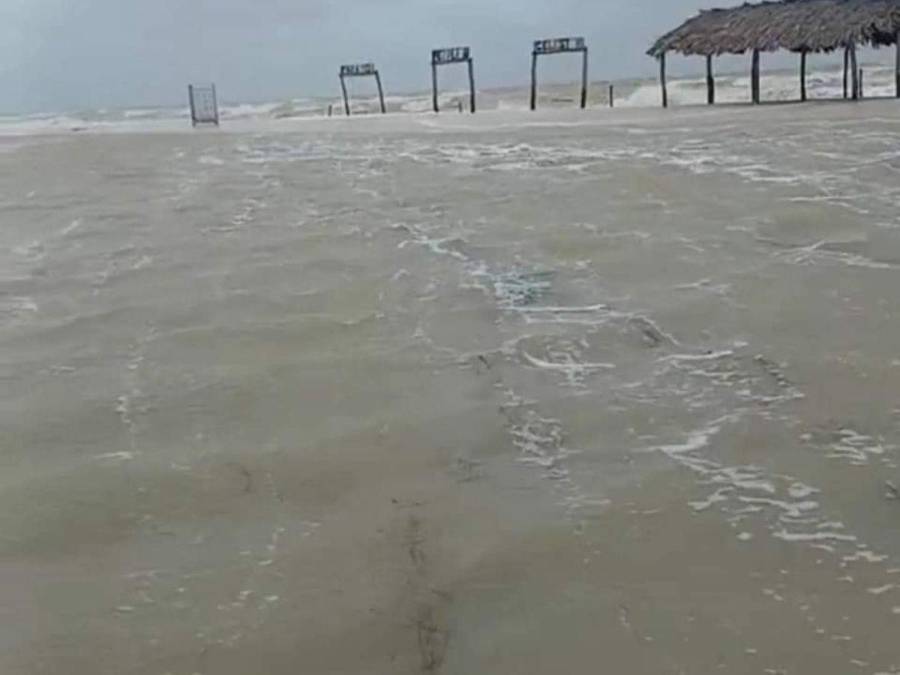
[(612, 96), (534, 58), (584, 79), (803, 75), (472, 84), (854, 72), (710, 81), (380, 92), (346, 98), (662, 80), (754, 78), (434, 88)]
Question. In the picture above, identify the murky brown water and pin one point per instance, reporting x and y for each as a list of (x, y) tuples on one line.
[(603, 392)]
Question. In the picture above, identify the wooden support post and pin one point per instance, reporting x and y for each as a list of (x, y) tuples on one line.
[(434, 88), (472, 85), (803, 75), (662, 80), (846, 72), (346, 98), (534, 59), (612, 96), (380, 92), (710, 81), (897, 66), (754, 78), (854, 72), (861, 87), (584, 79)]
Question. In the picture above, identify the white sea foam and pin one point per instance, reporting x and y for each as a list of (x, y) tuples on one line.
[(115, 456), (711, 356), (71, 227), (17, 307), (813, 536), (567, 367)]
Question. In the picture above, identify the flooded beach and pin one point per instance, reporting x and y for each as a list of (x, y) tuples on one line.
[(604, 391)]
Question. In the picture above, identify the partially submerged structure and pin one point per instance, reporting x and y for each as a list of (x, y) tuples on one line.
[(446, 57), (204, 104), (800, 26), (360, 70), (568, 45)]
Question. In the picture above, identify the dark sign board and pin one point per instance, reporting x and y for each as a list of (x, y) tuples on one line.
[(440, 57), (358, 70), (559, 45)]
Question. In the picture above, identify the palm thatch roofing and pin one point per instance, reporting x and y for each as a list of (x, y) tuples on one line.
[(794, 25)]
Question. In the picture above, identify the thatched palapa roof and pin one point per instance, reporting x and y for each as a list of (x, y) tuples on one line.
[(794, 25)]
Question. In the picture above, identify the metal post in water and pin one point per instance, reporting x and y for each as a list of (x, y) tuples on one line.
[(897, 66), (584, 79), (193, 108), (346, 98), (662, 80), (803, 75), (434, 88), (846, 71), (215, 102), (472, 84), (380, 92), (754, 78)]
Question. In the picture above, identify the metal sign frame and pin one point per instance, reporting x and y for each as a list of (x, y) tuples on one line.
[(360, 70), (568, 45), (195, 119), (446, 57)]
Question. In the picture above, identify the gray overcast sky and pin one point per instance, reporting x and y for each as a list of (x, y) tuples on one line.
[(64, 54)]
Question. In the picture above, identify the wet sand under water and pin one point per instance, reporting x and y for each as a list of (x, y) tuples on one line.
[(553, 393)]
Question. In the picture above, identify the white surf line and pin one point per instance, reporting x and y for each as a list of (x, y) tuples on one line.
[(71, 227), (123, 456), (566, 367), (711, 356), (818, 252), (586, 309), (813, 536)]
